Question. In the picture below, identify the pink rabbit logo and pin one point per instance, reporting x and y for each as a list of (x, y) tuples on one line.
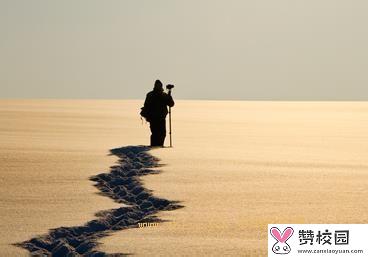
[(281, 247)]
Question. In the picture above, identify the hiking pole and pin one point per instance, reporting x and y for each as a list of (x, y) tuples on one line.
[(169, 87), (170, 126)]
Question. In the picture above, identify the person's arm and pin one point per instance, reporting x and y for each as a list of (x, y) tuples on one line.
[(170, 101)]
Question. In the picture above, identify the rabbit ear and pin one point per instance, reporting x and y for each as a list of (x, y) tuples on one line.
[(288, 232), (276, 233)]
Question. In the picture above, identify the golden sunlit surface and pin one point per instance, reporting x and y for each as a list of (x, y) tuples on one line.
[(236, 166)]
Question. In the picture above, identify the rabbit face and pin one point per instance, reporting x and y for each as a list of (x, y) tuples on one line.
[(281, 247)]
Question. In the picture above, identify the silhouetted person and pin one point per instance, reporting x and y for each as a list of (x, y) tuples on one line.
[(156, 106)]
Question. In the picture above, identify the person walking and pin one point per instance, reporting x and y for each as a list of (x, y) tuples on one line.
[(155, 107)]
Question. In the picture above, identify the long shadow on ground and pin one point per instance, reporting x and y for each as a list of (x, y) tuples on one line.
[(123, 185)]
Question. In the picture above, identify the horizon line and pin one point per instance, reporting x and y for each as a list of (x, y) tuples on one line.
[(186, 99)]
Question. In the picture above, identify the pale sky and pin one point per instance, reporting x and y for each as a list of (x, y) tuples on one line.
[(229, 49)]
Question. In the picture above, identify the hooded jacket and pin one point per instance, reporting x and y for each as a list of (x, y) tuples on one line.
[(156, 104)]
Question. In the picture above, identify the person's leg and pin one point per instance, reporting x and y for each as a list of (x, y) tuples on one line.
[(154, 133), (162, 133)]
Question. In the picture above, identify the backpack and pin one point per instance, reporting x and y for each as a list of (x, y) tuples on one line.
[(144, 113)]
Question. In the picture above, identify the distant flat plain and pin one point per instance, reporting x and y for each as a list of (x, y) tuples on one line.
[(235, 165)]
